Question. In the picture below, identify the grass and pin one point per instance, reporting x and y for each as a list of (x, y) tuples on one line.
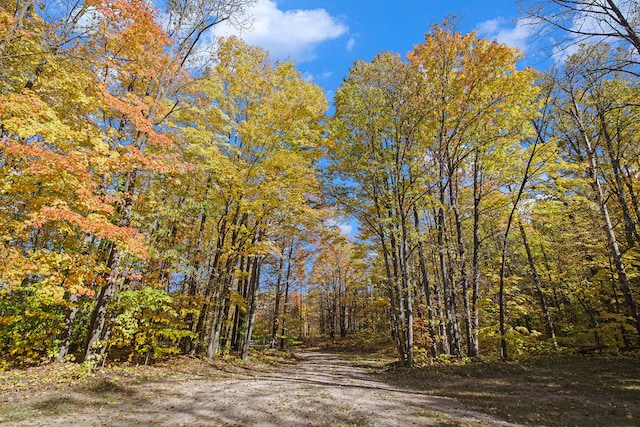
[(366, 353), (566, 391), (560, 390), (59, 388)]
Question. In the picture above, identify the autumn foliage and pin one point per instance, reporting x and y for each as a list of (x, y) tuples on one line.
[(159, 196)]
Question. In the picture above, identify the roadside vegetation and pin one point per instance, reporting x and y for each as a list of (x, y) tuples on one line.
[(597, 389)]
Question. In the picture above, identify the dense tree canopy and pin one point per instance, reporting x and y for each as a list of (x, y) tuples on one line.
[(158, 198)]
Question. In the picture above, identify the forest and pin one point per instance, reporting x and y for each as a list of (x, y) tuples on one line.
[(162, 196)]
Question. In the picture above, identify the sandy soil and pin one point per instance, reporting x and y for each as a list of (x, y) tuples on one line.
[(319, 390)]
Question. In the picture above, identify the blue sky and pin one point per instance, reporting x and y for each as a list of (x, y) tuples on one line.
[(326, 37)]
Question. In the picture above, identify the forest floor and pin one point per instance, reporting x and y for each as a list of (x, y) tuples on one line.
[(323, 389), (557, 391)]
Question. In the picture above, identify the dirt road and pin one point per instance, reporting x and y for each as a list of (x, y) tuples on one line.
[(320, 390)]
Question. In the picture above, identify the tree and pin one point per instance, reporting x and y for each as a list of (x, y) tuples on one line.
[(609, 21), (256, 131), (102, 122), (376, 127), (53, 152), (579, 96), (134, 66), (477, 104), (338, 276)]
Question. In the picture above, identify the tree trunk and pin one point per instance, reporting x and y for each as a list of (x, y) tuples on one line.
[(474, 350), (192, 290), (243, 289), (427, 291), (632, 193), (285, 302), (505, 242), (405, 281), (65, 336), (451, 318), (464, 281), (253, 290), (99, 314), (537, 283), (623, 280), (221, 308), (106, 293), (630, 231), (276, 309), (391, 269)]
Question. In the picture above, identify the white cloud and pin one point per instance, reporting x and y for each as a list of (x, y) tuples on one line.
[(345, 229), (489, 27), (351, 43), (592, 24), (293, 32), (503, 31), (329, 94), (311, 78), (561, 51)]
